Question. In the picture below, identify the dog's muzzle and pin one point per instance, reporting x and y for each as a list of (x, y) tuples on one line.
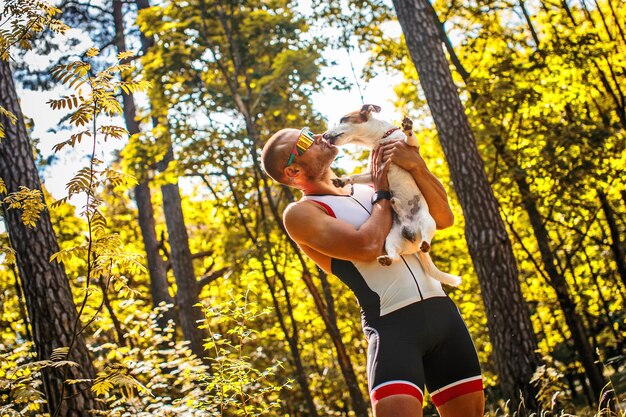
[(330, 137)]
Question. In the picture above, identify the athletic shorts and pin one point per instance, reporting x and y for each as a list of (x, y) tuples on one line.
[(425, 344)]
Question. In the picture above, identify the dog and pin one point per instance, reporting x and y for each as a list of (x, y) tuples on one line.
[(413, 227)]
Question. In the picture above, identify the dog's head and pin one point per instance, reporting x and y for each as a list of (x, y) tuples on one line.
[(358, 127)]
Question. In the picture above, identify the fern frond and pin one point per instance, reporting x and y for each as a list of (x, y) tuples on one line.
[(59, 364), (29, 201), (9, 255), (73, 73), (9, 115), (102, 385), (83, 115), (67, 101), (125, 55), (3, 187), (115, 132), (82, 182), (92, 52), (76, 137), (98, 223), (118, 178), (59, 354), (131, 87)]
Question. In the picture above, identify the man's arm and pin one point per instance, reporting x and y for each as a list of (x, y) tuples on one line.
[(408, 157), (308, 225)]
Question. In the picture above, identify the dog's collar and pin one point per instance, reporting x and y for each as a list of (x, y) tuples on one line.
[(389, 132)]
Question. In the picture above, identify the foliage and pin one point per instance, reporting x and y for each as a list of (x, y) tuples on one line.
[(20, 379), (26, 19), (235, 385), (224, 76), (29, 201)]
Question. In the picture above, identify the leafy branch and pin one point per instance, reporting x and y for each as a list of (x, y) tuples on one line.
[(96, 97)]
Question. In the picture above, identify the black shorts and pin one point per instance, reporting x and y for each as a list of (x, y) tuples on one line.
[(423, 344)]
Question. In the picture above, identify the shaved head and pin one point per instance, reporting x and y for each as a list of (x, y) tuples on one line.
[(276, 153)]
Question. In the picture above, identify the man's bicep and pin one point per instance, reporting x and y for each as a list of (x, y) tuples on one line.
[(311, 227)]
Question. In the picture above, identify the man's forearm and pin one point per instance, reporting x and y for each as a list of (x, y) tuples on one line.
[(435, 195)]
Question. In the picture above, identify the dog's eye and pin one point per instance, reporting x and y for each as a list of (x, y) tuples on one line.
[(343, 120)]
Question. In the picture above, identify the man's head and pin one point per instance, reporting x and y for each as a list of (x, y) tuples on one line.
[(291, 153)]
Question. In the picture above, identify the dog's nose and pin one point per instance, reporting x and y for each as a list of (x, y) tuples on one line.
[(325, 135)]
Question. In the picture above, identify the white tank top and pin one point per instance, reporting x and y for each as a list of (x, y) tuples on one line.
[(379, 289)]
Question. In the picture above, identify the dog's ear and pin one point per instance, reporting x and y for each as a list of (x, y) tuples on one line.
[(368, 108)]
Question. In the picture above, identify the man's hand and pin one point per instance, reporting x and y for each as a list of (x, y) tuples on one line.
[(379, 170), (408, 158), (403, 155)]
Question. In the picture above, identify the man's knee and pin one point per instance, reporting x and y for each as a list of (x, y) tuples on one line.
[(468, 405), (398, 405)]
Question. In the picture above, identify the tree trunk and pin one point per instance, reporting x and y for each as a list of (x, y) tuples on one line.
[(51, 308), (159, 288), (616, 243), (579, 332), (187, 285), (182, 264), (510, 328)]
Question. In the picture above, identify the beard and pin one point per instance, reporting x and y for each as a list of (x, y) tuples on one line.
[(319, 168)]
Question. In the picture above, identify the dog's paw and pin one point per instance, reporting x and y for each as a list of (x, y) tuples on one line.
[(407, 125), (425, 246), (340, 182), (384, 260)]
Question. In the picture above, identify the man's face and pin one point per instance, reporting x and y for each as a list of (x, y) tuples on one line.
[(317, 157)]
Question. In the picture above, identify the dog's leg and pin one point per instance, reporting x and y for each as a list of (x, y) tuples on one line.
[(393, 244), (365, 178), (407, 128), (428, 227)]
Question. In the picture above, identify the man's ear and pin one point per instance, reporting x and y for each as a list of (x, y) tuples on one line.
[(369, 108), (292, 171)]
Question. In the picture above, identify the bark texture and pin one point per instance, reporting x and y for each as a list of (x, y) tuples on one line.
[(556, 279), (510, 328), (188, 290), (49, 301), (159, 288)]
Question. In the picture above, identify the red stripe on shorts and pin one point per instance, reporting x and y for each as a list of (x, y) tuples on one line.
[(395, 388), (454, 391)]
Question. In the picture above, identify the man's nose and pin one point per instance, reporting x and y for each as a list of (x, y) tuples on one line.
[(318, 137)]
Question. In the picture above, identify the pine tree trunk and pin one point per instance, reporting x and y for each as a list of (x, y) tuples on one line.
[(187, 292), (616, 241), (510, 328), (49, 301), (579, 332), (159, 288), (187, 285)]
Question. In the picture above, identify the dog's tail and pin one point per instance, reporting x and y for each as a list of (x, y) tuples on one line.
[(431, 269)]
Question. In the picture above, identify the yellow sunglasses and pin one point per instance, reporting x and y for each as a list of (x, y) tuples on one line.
[(304, 142)]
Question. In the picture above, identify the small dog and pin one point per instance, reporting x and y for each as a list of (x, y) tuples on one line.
[(413, 226)]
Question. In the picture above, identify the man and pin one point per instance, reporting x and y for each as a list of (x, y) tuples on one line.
[(415, 334)]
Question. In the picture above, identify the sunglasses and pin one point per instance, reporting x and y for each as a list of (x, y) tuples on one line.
[(304, 142)]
